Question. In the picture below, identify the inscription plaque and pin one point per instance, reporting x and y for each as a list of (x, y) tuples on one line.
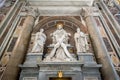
[(90, 78), (30, 78)]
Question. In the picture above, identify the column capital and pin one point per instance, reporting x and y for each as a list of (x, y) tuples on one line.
[(90, 11), (87, 12), (32, 11)]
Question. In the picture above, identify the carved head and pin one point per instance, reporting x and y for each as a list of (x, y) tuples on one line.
[(59, 26), (78, 29), (41, 30)]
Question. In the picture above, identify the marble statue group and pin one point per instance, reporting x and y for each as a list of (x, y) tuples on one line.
[(60, 39), (60, 43)]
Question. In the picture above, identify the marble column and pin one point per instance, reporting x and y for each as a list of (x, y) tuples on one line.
[(102, 56), (19, 51)]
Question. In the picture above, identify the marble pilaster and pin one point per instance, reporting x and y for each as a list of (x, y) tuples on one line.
[(101, 54), (12, 69)]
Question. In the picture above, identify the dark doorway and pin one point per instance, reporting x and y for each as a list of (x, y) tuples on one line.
[(63, 78)]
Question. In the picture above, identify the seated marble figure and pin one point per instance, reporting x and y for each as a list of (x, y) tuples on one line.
[(60, 42)]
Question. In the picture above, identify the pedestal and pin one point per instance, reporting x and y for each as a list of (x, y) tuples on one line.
[(71, 70)]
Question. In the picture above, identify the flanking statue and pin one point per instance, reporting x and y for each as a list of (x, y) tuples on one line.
[(60, 42), (39, 42), (81, 41)]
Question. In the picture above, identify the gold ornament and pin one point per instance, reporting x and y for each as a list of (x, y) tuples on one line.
[(59, 24), (60, 74)]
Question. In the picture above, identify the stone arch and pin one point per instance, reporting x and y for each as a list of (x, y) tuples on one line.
[(69, 21)]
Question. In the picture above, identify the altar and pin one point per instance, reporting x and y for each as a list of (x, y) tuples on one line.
[(83, 69), (60, 70), (60, 61)]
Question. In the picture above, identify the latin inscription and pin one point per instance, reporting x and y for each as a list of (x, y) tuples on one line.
[(61, 67)]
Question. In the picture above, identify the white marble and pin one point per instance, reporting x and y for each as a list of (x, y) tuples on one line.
[(80, 41), (110, 3), (61, 11), (60, 40), (61, 2), (39, 42), (31, 11)]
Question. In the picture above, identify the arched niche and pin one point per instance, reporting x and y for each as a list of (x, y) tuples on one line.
[(49, 25), (50, 22)]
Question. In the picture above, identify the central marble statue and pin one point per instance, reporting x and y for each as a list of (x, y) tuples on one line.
[(60, 42)]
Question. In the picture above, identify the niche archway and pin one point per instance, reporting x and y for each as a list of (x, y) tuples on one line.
[(49, 25)]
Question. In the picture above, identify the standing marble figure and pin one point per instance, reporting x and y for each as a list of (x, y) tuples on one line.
[(39, 42), (80, 41)]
